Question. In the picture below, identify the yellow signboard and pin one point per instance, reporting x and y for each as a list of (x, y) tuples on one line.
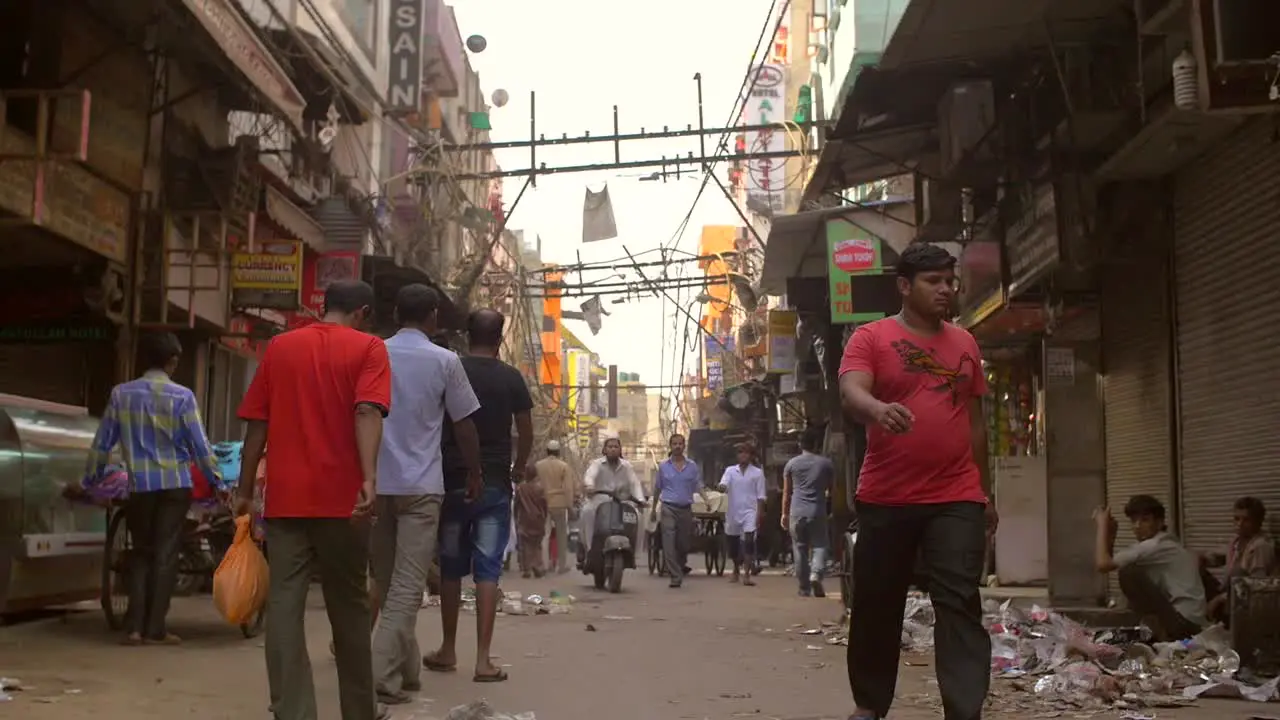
[(271, 278)]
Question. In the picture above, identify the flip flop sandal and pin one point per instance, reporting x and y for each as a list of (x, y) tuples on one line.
[(500, 676), (434, 665)]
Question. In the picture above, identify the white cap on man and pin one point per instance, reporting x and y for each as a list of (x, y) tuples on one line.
[(553, 446)]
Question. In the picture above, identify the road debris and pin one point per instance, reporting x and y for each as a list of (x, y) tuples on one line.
[(514, 602), (481, 710), (1054, 664)]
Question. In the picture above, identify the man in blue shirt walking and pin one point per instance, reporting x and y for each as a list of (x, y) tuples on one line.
[(679, 480), (156, 423)]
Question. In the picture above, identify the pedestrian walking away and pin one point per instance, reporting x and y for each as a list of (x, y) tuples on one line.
[(428, 383), (678, 483), (916, 382), (318, 399), (744, 483), (156, 424), (561, 488), (475, 522), (531, 522), (806, 488)]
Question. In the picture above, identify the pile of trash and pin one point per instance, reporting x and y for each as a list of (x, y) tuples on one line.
[(1061, 661), (481, 710), (514, 602)]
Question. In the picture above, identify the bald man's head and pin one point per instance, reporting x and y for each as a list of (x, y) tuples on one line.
[(484, 328)]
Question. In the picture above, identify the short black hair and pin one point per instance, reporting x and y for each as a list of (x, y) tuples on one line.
[(158, 349), (415, 303), (1252, 505), (1144, 506), (485, 326), (348, 296), (924, 257), (811, 439)]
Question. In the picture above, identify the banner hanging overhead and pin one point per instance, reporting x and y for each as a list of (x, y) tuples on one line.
[(404, 86), (767, 177), (597, 217)]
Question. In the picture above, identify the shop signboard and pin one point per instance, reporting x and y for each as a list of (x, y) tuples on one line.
[(782, 341), (71, 331), (318, 273), (981, 277), (1031, 240), (767, 105), (852, 251), (404, 86), (270, 278), (64, 198)]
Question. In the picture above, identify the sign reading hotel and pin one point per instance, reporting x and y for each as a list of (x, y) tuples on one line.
[(269, 279), (766, 105)]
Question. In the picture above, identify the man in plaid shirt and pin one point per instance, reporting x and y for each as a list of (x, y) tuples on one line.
[(156, 424)]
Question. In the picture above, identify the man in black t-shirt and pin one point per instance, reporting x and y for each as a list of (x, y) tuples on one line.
[(475, 522)]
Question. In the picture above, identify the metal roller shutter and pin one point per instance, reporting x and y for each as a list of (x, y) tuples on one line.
[(1227, 224), (1136, 360), (56, 372)]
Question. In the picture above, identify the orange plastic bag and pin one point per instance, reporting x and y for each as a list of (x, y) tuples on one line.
[(240, 582)]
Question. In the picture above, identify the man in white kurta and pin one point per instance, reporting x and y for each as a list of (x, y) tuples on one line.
[(744, 484), (610, 473)]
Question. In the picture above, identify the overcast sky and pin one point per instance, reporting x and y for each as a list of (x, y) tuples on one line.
[(582, 57)]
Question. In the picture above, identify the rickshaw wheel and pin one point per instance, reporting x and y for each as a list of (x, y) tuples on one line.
[(115, 571), (721, 545), (846, 573)]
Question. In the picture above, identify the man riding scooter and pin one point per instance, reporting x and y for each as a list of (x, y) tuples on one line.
[(609, 480)]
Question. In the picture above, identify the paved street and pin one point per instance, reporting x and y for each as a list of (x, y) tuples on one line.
[(711, 650)]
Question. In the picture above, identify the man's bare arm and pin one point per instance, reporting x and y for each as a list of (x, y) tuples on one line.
[(468, 438), (368, 440), (856, 399), (524, 440), (978, 439), (255, 443)]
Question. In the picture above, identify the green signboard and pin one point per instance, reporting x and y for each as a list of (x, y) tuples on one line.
[(852, 251)]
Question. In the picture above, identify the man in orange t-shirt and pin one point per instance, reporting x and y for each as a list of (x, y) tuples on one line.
[(318, 398), (916, 382)]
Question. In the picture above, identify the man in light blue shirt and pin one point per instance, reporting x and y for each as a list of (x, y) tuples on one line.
[(679, 481), (426, 382)]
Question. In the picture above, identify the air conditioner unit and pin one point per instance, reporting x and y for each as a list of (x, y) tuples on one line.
[(1236, 44)]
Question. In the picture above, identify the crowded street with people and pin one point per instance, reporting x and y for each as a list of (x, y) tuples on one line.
[(465, 360)]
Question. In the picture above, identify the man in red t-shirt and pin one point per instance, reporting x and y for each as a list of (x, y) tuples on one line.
[(916, 382), (318, 399)]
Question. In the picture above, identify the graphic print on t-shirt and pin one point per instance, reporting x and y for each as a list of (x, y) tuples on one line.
[(956, 381)]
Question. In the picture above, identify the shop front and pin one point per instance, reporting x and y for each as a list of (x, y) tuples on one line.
[(1226, 209)]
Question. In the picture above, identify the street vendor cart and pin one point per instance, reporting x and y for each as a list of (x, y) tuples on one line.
[(50, 548)]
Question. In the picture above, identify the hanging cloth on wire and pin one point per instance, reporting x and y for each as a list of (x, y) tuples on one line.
[(597, 217), (593, 312)]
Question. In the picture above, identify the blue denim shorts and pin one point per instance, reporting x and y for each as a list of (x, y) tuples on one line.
[(474, 536)]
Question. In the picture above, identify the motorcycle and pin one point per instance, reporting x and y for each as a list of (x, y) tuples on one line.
[(613, 547)]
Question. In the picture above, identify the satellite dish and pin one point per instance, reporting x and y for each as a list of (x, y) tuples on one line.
[(500, 97), (477, 43)]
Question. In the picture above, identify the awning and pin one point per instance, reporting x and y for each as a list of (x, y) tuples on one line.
[(797, 244), (943, 31), (387, 277), (237, 38), (292, 219), (868, 156)]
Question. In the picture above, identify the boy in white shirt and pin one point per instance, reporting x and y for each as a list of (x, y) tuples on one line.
[(744, 484)]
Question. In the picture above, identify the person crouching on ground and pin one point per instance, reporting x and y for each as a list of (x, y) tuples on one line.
[(531, 522), (745, 485), (1251, 553), (1159, 577)]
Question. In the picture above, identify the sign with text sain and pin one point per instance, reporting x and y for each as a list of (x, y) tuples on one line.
[(404, 86), (851, 252)]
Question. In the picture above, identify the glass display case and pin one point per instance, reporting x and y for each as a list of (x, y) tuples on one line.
[(51, 547)]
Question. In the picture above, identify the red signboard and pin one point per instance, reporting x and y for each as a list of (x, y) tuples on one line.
[(318, 272), (854, 255)]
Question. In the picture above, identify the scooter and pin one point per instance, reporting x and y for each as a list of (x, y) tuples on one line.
[(613, 549)]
